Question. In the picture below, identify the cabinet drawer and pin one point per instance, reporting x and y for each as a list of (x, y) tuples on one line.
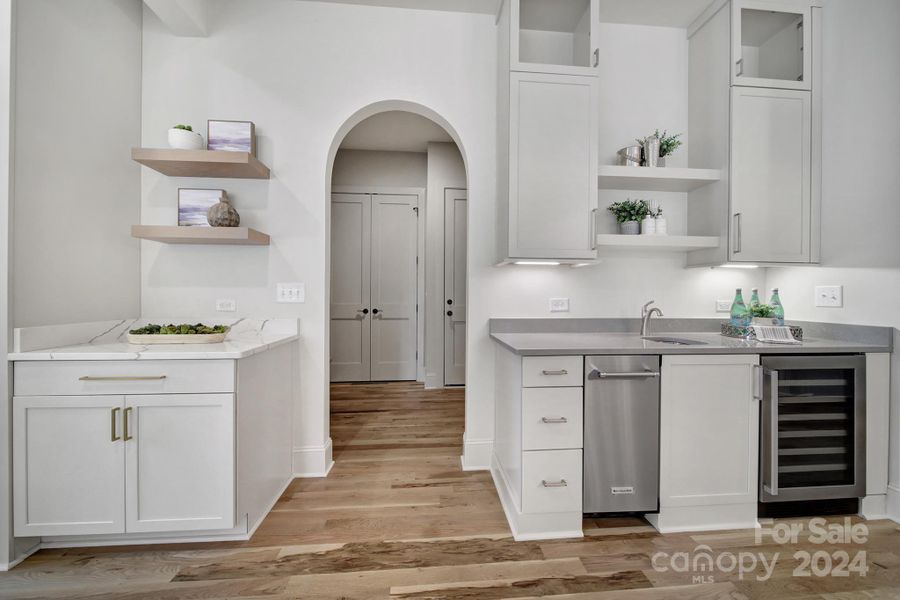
[(552, 371), (552, 418), (551, 481), (81, 378)]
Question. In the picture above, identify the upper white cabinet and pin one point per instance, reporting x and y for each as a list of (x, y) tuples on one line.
[(771, 44), (554, 36)]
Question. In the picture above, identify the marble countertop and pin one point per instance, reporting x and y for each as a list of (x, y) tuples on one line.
[(107, 340), (559, 343)]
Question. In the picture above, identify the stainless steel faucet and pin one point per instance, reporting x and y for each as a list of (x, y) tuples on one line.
[(646, 314)]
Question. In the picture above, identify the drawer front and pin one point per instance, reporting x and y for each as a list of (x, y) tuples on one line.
[(552, 418), (552, 371), (551, 481), (83, 378)]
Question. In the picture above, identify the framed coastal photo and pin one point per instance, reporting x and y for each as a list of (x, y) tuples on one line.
[(231, 136), (193, 204)]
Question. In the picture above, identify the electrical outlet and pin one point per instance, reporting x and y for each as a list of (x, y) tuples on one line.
[(831, 296), (559, 305), (723, 306), (290, 292), (226, 305)]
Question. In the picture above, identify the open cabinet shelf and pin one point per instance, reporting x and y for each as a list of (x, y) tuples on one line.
[(667, 243), (655, 179), (201, 163), (174, 234)]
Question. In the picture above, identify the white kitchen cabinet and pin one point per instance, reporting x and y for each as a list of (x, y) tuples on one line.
[(179, 467), (771, 43), (68, 465), (553, 36), (771, 148), (709, 442)]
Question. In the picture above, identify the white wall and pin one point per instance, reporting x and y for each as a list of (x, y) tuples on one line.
[(376, 168), (77, 116), (7, 67)]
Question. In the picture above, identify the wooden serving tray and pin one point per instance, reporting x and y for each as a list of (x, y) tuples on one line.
[(145, 339)]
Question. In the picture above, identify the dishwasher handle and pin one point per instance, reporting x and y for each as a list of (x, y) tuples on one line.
[(597, 374)]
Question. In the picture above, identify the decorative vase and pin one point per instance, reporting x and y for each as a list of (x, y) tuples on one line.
[(661, 161), (223, 214), (651, 151), (182, 139), (661, 226), (630, 228), (648, 226)]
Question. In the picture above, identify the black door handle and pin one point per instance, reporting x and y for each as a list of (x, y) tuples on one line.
[(449, 313), (374, 311), (449, 301), (365, 311)]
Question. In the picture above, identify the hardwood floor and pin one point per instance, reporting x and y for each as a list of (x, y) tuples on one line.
[(397, 518)]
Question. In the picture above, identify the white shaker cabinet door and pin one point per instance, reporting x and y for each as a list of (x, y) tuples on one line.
[(553, 163), (709, 430), (180, 473), (771, 180), (69, 465)]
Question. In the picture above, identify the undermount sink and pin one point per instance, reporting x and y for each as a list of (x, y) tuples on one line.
[(674, 340)]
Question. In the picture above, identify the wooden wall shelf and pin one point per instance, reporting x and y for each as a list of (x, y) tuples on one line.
[(173, 234), (201, 163)]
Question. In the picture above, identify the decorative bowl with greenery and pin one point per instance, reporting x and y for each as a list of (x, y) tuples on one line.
[(183, 137), (629, 214)]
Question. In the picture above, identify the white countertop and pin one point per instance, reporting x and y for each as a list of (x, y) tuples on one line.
[(107, 341)]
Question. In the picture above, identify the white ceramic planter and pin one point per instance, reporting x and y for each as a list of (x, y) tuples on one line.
[(661, 226), (183, 139), (648, 226)]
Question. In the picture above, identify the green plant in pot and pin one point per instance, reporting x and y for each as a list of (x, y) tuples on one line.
[(762, 314), (629, 214)]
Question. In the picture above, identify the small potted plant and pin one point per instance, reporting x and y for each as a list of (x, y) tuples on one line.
[(668, 144), (629, 214), (762, 314), (183, 137)]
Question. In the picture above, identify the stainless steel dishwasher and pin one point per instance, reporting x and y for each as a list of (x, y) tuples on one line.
[(621, 434)]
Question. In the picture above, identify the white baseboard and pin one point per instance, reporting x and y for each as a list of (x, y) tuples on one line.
[(313, 461), (873, 507), (477, 455), (6, 566), (892, 510), (252, 527), (679, 519)]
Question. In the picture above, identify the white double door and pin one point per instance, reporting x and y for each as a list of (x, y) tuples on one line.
[(374, 241)]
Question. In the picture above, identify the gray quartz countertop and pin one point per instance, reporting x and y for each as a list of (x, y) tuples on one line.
[(547, 337)]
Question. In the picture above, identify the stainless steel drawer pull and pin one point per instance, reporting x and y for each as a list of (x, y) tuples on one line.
[(604, 375), (123, 378), (554, 484), (554, 420), (559, 372)]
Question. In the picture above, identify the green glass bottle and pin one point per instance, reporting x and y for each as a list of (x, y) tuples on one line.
[(754, 297), (740, 314), (777, 308)]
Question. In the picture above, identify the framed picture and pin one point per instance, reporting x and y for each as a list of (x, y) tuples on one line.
[(231, 136), (193, 204)]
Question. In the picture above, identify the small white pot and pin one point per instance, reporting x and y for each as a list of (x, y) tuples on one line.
[(183, 139), (661, 226), (648, 226)]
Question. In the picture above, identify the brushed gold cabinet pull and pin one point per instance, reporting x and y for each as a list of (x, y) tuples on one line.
[(124, 378), (113, 420), (125, 435)]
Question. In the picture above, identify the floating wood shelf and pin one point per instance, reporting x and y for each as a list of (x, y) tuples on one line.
[(201, 163), (668, 243), (655, 179), (173, 234)]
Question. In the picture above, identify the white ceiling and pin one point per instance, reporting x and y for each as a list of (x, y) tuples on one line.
[(395, 131), (488, 7)]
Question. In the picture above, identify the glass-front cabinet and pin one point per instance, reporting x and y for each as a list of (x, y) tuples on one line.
[(554, 36), (771, 44)]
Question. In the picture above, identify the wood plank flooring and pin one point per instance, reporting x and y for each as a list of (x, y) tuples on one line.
[(398, 519)]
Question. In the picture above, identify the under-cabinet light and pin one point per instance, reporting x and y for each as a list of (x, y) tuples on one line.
[(540, 263), (738, 266)]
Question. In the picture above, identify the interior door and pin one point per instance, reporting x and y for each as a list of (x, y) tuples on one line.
[(393, 277), (455, 209), (351, 228), (68, 465), (179, 462), (770, 182)]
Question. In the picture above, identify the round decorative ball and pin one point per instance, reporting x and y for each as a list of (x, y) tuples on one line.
[(223, 214)]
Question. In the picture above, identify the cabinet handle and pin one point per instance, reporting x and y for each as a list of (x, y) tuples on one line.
[(738, 219), (554, 484), (549, 420), (595, 374), (123, 378), (113, 420), (757, 382), (594, 228), (740, 67), (559, 372), (772, 485), (596, 57), (125, 428)]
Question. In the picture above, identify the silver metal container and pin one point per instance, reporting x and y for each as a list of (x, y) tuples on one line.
[(630, 156), (651, 151)]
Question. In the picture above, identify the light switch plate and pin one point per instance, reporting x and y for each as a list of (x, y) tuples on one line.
[(723, 306), (830, 296), (226, 305), (290, 292), (559, 305)]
